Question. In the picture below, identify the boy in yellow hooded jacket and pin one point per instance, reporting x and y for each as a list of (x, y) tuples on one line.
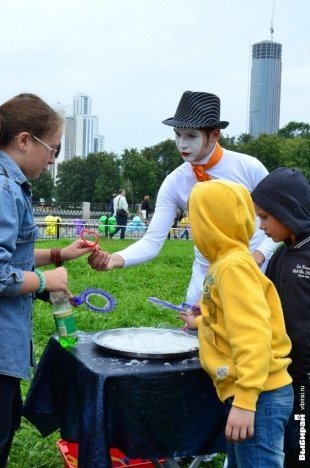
[(242, 337)]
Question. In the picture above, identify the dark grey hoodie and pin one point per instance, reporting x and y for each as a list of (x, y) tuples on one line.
[(285, 194)]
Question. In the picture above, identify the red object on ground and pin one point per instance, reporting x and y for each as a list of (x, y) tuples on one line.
[(69, 451)]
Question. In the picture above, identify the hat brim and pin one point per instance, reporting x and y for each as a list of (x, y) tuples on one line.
[(197, 124)]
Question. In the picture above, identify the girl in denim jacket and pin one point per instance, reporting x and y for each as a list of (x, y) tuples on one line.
[(30, 135)]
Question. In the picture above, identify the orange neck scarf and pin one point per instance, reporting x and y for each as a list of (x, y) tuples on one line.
[(200, 169)]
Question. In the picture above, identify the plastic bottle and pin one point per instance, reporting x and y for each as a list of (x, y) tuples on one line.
[(64, 319)]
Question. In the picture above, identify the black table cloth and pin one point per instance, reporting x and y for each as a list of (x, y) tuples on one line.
[(146, 408)]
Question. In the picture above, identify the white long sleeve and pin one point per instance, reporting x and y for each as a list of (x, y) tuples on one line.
[(173, 195)]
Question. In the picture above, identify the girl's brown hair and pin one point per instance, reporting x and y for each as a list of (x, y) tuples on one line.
[(27, 113)]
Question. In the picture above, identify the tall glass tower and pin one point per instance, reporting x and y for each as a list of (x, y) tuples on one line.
[(81, 129), (265, 91), (81, 104)]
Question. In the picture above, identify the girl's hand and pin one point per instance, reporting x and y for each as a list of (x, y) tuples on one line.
[(76, 250), (57, 280)]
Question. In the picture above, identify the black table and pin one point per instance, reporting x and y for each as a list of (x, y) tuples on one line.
[(146, 408)]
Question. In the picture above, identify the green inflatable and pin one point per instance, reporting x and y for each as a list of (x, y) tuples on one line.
[(111, 225), (103, 225)]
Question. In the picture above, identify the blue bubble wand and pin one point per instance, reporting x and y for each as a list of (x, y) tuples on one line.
[(178, 308), (87, 294)]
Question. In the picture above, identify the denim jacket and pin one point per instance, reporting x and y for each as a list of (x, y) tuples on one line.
[(18, 233)]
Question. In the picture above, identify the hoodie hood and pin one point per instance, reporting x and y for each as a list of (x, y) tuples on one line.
[(285, 194), (222, 217)]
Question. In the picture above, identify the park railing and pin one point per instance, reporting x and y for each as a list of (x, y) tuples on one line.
[(55, 228), (70, 210)]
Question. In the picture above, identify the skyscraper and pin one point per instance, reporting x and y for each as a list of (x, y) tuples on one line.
[(69, 137), (81, 129), (98, 144), (265, 91), (86, 127), (81, 104)]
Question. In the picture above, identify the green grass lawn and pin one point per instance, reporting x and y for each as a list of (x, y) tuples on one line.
[(166, 277)]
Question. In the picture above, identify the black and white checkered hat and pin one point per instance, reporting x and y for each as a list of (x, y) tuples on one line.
[(197, 110)]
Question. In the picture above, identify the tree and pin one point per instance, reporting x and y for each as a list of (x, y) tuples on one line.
[(140, 175), (289, 148), (295, 129), (69, 183), (91, 179), (108, 176), (166, 156), (266, 148), (296, 153), (228, 142), (43, 187)]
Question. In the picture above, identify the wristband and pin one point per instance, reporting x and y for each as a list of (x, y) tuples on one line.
[(41, 279), (56, 257)]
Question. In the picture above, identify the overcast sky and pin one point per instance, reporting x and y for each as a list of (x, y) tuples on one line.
[(135, 58)]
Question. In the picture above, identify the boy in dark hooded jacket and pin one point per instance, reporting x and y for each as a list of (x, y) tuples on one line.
[(282, 201)]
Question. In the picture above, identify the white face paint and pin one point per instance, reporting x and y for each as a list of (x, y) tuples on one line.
[(190, 142)]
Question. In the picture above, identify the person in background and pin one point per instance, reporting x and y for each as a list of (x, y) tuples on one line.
[(282, 202), (30, 135), (174, 227), (111, 206), (184, 224), (197, 128), (243, 344), (121, 213), (146, 208)]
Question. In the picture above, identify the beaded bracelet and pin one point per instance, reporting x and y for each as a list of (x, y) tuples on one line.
[(56, 257), (41, 279)]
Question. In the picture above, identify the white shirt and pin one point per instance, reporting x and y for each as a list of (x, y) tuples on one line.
[(119, 203), (174, 193)]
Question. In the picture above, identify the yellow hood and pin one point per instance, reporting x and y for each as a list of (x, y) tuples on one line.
[(222, 217)]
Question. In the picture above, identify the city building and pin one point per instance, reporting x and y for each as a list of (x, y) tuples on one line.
[(81, 130), (86, 128), (265, 88), (81, 104), (98, 144), (69, 137)]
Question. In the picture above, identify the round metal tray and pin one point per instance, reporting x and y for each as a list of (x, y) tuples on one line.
[(145, 342)]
